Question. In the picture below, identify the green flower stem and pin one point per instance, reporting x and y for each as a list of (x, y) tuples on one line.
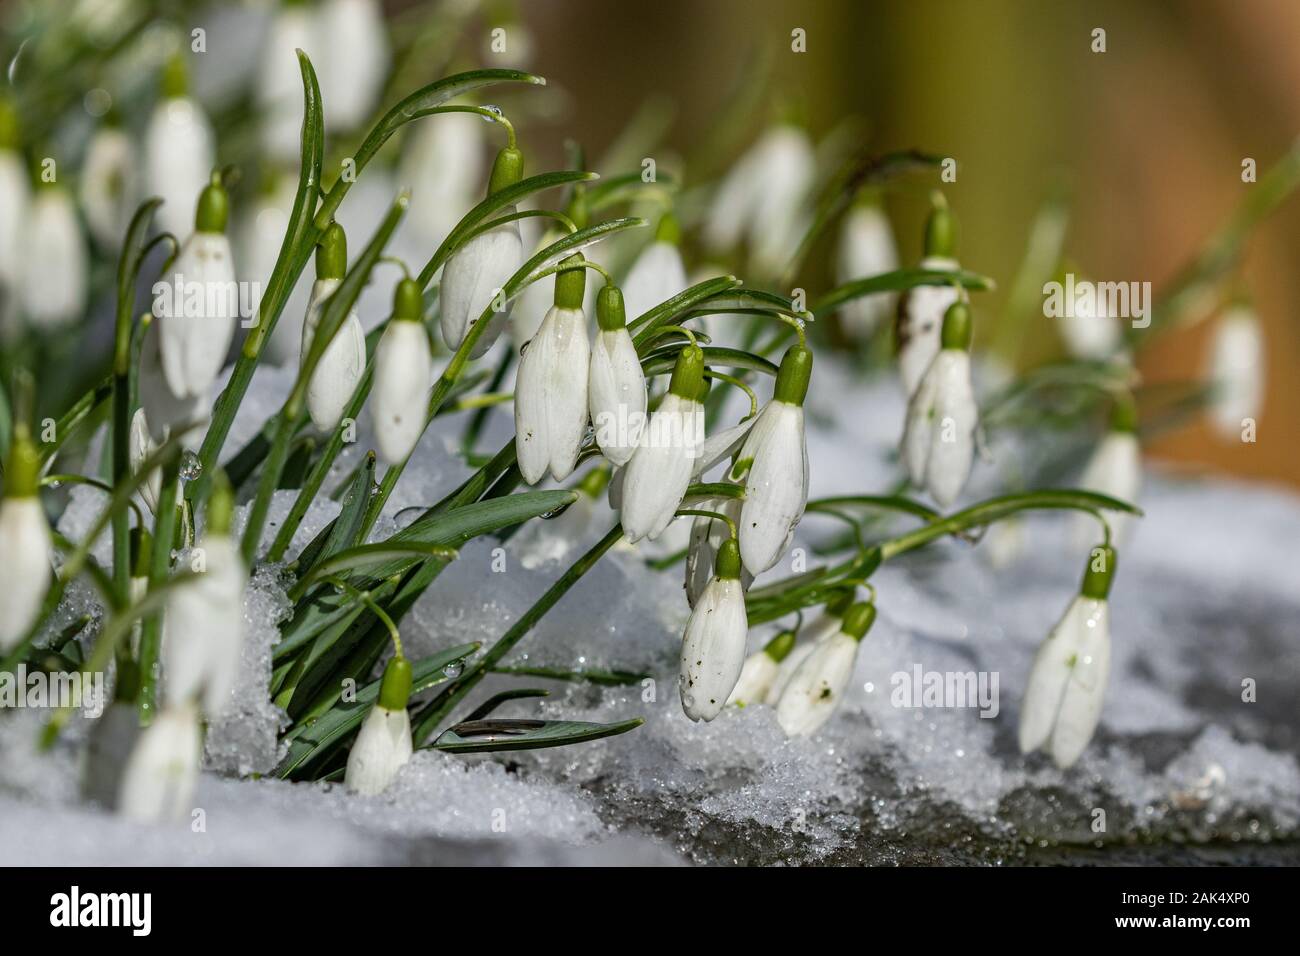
[(368, 600), (898, 281), (715, 515), (160, 566), (108, 490), (433, 714)]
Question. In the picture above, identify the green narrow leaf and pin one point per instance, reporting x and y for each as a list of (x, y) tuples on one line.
[(661, 363), (310, 741), (663, 313), (491, 736), (343, 530), (898, 281)]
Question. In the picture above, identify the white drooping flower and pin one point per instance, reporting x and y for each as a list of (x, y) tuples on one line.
[(179, 152), (551, 387), (762, 198), (383, 746), (866, 249), (403, 372), (474, 277), (939, 437), (343, 363), (1115, 469), (108, 192), (760, 671), (161, 773), (658, 273), (353, 59), (922, 309), (54, 281), (536, 299), (657, 476), (278, 89), (713, 647), (203, 627), (774, 458), (1067, 682), (616, 384), (14, 198), (139, 447), (443, 163), (825, 625), (25, 543), (707, 536), (163, 411), (1236, 371), (196, 308), (1090, 331), (817, 686), (261, 233)]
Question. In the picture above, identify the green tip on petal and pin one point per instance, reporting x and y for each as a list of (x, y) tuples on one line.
[(571, 283), (23, 474), (610, 313), (175, 77), (1099, 574), (395, 691), (858, 620), (1124, 416), (727, 565), (688, 373), (940, 229), (841, 602), (213, 211), (408, 302), (141, 552), (668, 229), (507, 169), (779, 647), (957, 327), (221, 505), (332, 253), (794, 375)]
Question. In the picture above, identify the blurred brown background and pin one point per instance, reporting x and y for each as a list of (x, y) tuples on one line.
[(1150, 134)]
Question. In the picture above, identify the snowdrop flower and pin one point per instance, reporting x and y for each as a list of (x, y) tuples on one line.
[(1067, 681), (53, 285), (140, 446), (197, 312), (163, 411), (1236, 370), (658, 273), (1090, 332), (707, 536), (278, 89), (178, 150), (159, 779), (353, 59), (383, 746), (815, 689), (921, 309), (108, 185), (713, 647), (403, 371), (762, 197), (939, 438), (1115, 469), (443, 162), (656, 477), (473, 278), (24, 541), (203, 627), (616, 383), (760, 671), (827, 624), (775, 460), (14, 197), (551, 387), (866, 249), (343, 363)]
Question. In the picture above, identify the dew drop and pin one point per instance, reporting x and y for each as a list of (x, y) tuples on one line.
[(495, 110), (453, 670), (190, 467)]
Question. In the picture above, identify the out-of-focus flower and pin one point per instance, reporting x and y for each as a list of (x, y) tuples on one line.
[(866, 248), (108, 190), (816, 688), (278, 89), (353, 59), (921, 309), (443, 163), (1236, 370), (658, 273), (261, 233), (160, 776), (1115, 469), (53, 284), (1090, 332), (760, 671), (14, 197), (25, 541), (179, 151)]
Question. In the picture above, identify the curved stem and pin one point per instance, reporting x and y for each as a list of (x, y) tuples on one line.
[(715, 515), (365, 598), (736, 383), (94, 483)]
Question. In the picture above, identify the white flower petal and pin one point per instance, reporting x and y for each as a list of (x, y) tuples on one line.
[(551, 396), (179, 156), (1085, 688), (660, 469), (866, 248), (1236, 371), (382, 748), (920, 324), (713, 650), (815, 689), (53, 285), (28, 549), (158, 782), (203, 629), (472, 279), (656, 276), (1048, 675), (403, 372), (1115, 469), (776, 485), (196, 312), (617, 394), (755, 680)]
